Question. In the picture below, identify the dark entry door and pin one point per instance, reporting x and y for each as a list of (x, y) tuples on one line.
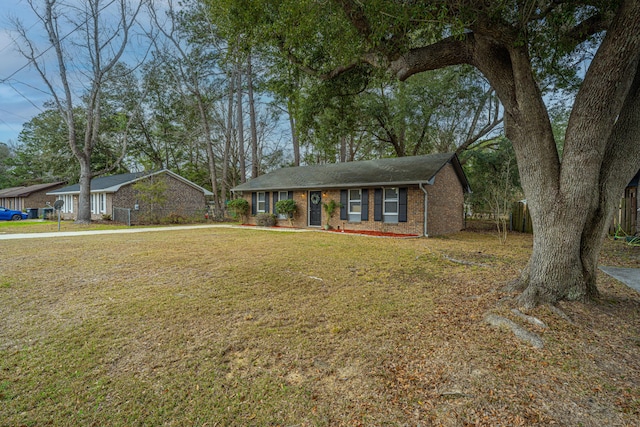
[(315, 208)]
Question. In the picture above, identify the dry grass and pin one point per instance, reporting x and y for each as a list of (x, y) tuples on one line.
[(247, 327), (46, 226)]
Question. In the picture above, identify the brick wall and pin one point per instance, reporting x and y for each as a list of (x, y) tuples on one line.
[(181, 199), (445, 203), (39, 199), (445, 208)]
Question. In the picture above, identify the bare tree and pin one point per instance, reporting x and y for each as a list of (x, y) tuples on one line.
[(87, 46), (240, 124), (255, 164), (193, 67)]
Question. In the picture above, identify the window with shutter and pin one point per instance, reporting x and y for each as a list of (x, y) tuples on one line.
[(402, 205), (390, 205), (355, 205)]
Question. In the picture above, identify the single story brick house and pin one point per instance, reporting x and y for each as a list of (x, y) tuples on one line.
[(420, 195), (30, 196), (181, 196)]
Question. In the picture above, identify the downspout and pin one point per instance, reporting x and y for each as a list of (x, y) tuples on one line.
[(426, 205)]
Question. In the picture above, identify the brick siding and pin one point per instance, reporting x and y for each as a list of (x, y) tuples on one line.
[(182, 199), (445, 203)]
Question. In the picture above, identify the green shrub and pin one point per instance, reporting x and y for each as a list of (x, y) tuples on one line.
[(330, 208), (265, 219), (106, 217), (287, 207), (238, 208)]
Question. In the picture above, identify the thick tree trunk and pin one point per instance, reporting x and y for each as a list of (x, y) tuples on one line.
[(571, 200), (84, 198)]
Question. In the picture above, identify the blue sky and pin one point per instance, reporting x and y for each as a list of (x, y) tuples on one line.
[(21, 89)]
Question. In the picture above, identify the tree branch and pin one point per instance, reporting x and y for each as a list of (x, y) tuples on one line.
[(444, 53)]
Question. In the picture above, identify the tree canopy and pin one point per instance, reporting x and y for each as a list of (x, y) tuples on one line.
[(524, 49)]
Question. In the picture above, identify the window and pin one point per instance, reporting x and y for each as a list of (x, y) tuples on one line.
[(68, 203), (262, 201), (282, 195), (98, 203), (355, 205), (390, 213)]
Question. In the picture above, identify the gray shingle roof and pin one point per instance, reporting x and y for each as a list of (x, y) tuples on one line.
[(103, 183), (112, 183), (368, 173)]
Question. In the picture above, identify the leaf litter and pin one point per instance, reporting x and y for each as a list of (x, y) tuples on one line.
[(233, 327)]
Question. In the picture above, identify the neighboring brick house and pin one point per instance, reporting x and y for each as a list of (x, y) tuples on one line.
[(31, 196), (181, 196), (420, 195)]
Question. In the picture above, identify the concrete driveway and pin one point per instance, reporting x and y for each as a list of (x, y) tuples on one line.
[(628, 276), (134, 230)]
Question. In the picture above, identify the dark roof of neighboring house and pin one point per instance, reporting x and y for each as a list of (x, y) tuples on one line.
[(6, 191), (112, 183), (368, 173), (26, 191)]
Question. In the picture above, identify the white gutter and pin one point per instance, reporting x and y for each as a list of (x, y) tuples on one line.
[(426, 205)]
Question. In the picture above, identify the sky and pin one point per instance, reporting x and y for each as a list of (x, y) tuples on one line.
[(21, 89)]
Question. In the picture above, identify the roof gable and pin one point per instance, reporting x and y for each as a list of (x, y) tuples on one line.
[(371, 173)]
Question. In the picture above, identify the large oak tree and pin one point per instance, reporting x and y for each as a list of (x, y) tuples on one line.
[(522, 47)]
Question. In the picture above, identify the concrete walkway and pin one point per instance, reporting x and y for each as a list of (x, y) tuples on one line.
[(136, 230), (628, 276)]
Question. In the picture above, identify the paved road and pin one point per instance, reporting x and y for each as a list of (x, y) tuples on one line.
[(132, 230), (628, 276)]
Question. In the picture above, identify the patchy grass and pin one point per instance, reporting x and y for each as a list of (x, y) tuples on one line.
[(248, 327)]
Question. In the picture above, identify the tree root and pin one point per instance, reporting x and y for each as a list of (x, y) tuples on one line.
[(533, 320), (521, 333), (458, 261)]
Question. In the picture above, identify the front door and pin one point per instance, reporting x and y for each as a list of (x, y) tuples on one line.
[(315, 208)]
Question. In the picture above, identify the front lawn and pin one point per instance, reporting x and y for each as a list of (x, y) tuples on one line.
[(249, 327), (45, 226)]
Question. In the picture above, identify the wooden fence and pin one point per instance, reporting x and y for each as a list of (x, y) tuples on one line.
[(626, 216), (520, 218)]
